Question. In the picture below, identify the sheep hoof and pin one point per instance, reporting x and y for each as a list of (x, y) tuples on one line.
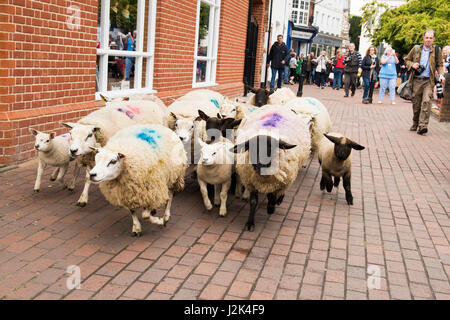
[(36, 190), (250, 226), (52, 179), (223, 213), (153, 212), (270, 208), (70, 188), (136, 234), (280, 199), (81, 204), (209, 207), (216, 204)]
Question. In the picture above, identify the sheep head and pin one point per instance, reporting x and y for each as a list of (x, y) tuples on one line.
[(261, 96), (108, 165), (82, 138), (214, 153), (217, 126), (43, 141), (184, 127), (343, 146)]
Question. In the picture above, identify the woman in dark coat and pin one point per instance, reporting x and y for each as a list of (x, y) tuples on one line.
[(369, 66)]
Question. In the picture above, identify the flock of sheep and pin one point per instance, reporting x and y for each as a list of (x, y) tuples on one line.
[(138, 150)]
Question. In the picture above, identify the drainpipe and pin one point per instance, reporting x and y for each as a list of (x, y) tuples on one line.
[(268, 42)]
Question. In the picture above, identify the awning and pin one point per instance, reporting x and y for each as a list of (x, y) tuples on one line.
[(328, 40), (301, 33)]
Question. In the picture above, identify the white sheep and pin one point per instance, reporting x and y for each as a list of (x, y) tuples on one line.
[(141, 167), (336, 161), (228, 108), (203, 94), (281, 96), (96, 128), (278, 144), (54, 151), (215, 167), (321, 118)]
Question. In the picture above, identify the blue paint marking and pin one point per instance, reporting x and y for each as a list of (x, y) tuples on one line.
[(215, 102), (251, 109), (273, 120), (65, 135), (311, 101), (149, 136)]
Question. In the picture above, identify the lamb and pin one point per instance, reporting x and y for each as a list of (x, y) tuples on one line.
[(54, 151), (215, 167), (279, 144), (96, 128), (321, 119), (228, 108), (263, 96), (203, 94), (141, 167), (281, 96), (335, 159)]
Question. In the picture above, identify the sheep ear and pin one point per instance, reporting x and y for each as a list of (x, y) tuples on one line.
[(52, 135), (237, 148), (96, 130), (33, 131), (354, 145), (104, 99), (173, 115), (121, 155), (251, 89), (219, 115), (203, 115), (335, 140), (295, 112), (285, 146), (126, 99), (268, 93), (68, 124), (232, 124), (94, 150)]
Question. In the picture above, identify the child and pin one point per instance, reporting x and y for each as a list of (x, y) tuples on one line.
[(292, 66)]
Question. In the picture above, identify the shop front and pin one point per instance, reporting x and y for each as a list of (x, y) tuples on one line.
[(300, 38), (325, 42)]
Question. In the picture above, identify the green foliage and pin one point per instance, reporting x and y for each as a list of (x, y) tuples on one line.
[(404, 26), (117, 14), (370, 13), (355, 30), (204, 21)]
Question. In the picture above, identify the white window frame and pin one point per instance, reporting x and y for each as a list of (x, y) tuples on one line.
[(302, 14), (211, 58), (103, 52)]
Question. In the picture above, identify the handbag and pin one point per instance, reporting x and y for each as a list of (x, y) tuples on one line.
[(405, 89)]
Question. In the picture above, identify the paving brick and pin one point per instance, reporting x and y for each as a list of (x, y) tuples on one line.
[(213, 292)]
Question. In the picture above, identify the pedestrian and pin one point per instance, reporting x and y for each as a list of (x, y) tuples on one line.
[(446, 58), (302, 76), (129, 61), (308, 68), (321, 69), (352, 63), (401, 68), (292, 67), (278, 58), (338, 70), (329, 69), (298, 70), (287, 69), (312, 75), (427, 64), (388, 74), (369, 66)]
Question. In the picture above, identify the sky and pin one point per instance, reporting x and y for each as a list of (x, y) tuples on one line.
[(356, 5)]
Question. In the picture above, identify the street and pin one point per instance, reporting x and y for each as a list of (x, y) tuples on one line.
[(393, 243)]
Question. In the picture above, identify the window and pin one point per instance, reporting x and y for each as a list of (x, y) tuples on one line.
[(125, 47), (300, 12), (206, 42)]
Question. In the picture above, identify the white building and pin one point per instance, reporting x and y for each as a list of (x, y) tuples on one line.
[(328, 18), (365, 41)]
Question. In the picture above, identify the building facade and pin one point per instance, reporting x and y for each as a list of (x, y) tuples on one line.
[(59, 56)]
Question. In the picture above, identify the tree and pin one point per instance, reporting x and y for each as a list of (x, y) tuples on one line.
[(355, 30), (403, 27)]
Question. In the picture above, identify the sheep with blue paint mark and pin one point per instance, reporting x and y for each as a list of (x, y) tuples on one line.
[(203, 94), (271, 145), (321, 122), (96, 128), (141, 167)]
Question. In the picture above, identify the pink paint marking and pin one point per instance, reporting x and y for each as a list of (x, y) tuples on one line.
[(136, 110), (267, 116)]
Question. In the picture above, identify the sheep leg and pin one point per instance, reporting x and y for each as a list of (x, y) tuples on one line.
[(271, 199), (61, 174), (251, 217), (217, 195), (238, 190), (162, 221), (336, 181), (76, 172), (136, 231), (37, 184), (204, 191), (246, 194), (223, 198), (84, 195), (348, 191), (326, 181), (54, 174)]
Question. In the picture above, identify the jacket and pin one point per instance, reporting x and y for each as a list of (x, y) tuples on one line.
[(366, 64), (414, 56), (353, 64), (277, 54)]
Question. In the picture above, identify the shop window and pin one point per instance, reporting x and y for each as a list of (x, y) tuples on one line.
[(300, 12), (125, 47), (206, 42)]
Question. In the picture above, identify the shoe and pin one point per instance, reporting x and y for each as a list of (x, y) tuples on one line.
[(365, 101), (353, 93), (322, 87), (393, 102), (380, 102), (413, 127), (291, 82), (370, 101), (422, 131), (337, 88), (346, 96)]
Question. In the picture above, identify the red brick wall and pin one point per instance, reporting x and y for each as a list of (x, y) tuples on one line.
[(47, 70)]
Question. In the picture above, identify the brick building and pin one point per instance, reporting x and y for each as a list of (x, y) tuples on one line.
[(56, 56)]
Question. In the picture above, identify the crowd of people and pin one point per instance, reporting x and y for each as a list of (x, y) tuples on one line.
[(350, 70)]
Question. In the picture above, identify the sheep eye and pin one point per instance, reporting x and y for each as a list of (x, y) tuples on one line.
[(233, 110), (214, 154), (112, 162), (47, 141)]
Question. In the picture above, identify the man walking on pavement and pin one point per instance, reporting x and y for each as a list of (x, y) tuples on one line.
[(352, 63), (279, 57), (426, 63)]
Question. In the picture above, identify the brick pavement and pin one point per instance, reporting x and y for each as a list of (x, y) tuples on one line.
[(313, 247)]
